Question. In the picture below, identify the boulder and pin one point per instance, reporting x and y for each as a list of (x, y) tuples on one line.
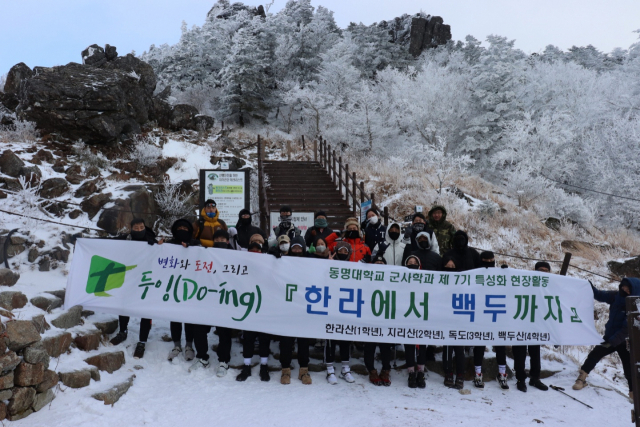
[(203, 122), (33, 174), (93, 204), (628, 268), (110, 52), (109, 362), (43, 156), (6, 381), (40, 323), (119, 216), (108, 327), (54, 187), (428, 33), (76, 379), (33, 254), (131, 65), (89, 341), (16, 76), (71, 318), (8, 277), (36, 355), (20, 334), (235, 163), (75, 213), (57, 344), (43, 399), (46, 303), (180, 116), (59, 254), (94, 55), (5, 395), (10, 164), (49, 380), (21, 400), (44, 264), (114, 394), (88, 188), (12, 299), (59, 293), (27, 374)]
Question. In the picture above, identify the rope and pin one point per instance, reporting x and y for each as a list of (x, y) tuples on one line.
[(52, 222), (593, 191)]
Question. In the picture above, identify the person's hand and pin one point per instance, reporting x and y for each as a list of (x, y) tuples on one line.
[(185, 245), (408, 232), (161, 241), (332, 256)]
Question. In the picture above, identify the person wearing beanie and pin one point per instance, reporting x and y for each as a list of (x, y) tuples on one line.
[(360, 252), (257, 243), (286, 227), (320, 229), (207, 224), (374, 231), (240, 235), (442, 228), (418, 225)]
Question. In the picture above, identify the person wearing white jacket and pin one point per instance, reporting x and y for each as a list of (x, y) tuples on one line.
[(393, 247)]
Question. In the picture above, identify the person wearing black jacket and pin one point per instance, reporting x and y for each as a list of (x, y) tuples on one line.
[(181, 232), (320, 229), (139, 233), (375, 232), (416, 379), (418, 225), (244, 231), (429, 260)]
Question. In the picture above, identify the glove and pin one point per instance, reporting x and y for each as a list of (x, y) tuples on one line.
[(367, 259), (312, 249), (151, 242), (408, 232), (382, 247)]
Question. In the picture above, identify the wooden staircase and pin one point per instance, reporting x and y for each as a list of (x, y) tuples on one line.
[(306, 187)]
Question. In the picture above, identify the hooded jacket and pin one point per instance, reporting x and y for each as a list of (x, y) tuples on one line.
[(615, 331), (465, 258), (391, 250), (374, 234), (185, 223), (204, 228), (240, 239), (359, 250), (298, 240), (409, 239), (429, 260), (443, 230)]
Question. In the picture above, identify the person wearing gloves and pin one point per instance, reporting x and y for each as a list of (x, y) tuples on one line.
[(320, 229), (352, 235), (615, 331), (319, 249), (374, 231), (240, 236), (418, 225), (416, 379), (392, 249), (207, 224), (285, 228)]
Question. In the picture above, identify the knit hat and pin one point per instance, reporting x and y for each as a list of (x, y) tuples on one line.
[(319, 213), (181, 223), (210, 202), (244, 212), (378, 258), (487, 255), (418, 215), (543, 264), (351, 221), (342, 244), (285, 208), (257, 238), (284, 239)]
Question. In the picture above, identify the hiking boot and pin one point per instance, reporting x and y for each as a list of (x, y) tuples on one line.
[(264, 373), (199, 364), (331, 378), (374, 378), (535, 382), (244, 373), (139, 351), (285, 377), (581, 382), (118, 339), (502, 381), (222, 369), (420, 380), (459, 385), (174, 353), (346, 375), (522, 386), (303, 375), (189, 354), (448, 380), (478, 381), (384, 377), (413, 380)]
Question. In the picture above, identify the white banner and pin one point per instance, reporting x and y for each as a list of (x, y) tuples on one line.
[(330, 299)]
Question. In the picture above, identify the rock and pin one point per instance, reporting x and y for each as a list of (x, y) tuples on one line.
[(20, 334), (76, 379), (94, 55), (109, 362), (59, 254), (43, 399), (71, 318), (87, 313), (427, 33), (40, 323), (89, 341), (33, 254), (6, 381), (75, 213), (33, 174), (88, 188), (12, 299), (110, 52), (5, 395), (120, 215), (44, 264), (21, 400), (54, 187), (107, 328), (180, 116), (130, 64), (203, 122), (14, 250), (553, 223), (59, 166), (58, 294), (43, 156), (8, 277), (46, 303), (27, 374), (16, 76), (57, 344), (628, 268), (36, 355), (114, 394), (93, 204), (50, 379), (95, 373), (10, 164)]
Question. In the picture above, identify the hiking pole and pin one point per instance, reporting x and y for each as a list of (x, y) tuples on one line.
[(561, 390)]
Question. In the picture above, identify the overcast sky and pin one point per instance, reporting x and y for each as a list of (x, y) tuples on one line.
[(43, 32)]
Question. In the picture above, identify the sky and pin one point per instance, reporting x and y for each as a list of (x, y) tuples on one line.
[(49, 33)]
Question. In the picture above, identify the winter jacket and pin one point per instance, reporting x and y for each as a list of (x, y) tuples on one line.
[(359, 250), (429, 260), (391, 250), (374, 234), (276, 232), (239, 239), (409, 239), (443, 230), (204, 228), (314, 233), (149, 237), (299, 240), (615, 331), (464, 258)]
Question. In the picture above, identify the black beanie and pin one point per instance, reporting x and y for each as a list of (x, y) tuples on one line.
[(135, 221), (418, 215), (487, 255), (543, 264), (319, 213), (221, 233), (285, 208)]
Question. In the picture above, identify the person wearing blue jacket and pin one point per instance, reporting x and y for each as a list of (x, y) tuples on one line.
[(615, 331)]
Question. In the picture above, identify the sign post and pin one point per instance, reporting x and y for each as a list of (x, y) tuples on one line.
[(230, 190)]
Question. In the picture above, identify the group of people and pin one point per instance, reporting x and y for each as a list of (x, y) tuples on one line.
[(429, 242)]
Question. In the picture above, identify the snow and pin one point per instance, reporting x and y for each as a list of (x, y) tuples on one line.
[(196, 156)]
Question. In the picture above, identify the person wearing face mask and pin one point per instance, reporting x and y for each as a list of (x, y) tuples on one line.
[(418, 225), (385, 352), (429, 260), (320, 249), (416, 379), (139, 233), (374, 231), (360, 252), (257, 242), (207, 224), (285, 228), (320, 229), (240, 236), (442, 228), (392, 249), (487, 260), (182, 232), (283, 244)]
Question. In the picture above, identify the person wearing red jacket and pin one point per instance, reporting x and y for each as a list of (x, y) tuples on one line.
[(360, 252)]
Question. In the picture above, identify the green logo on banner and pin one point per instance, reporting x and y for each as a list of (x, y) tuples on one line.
[(104, 275)]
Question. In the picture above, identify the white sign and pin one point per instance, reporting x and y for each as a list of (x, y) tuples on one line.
[(224, 165), (302, 220), (325, 299), (229, 190)]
